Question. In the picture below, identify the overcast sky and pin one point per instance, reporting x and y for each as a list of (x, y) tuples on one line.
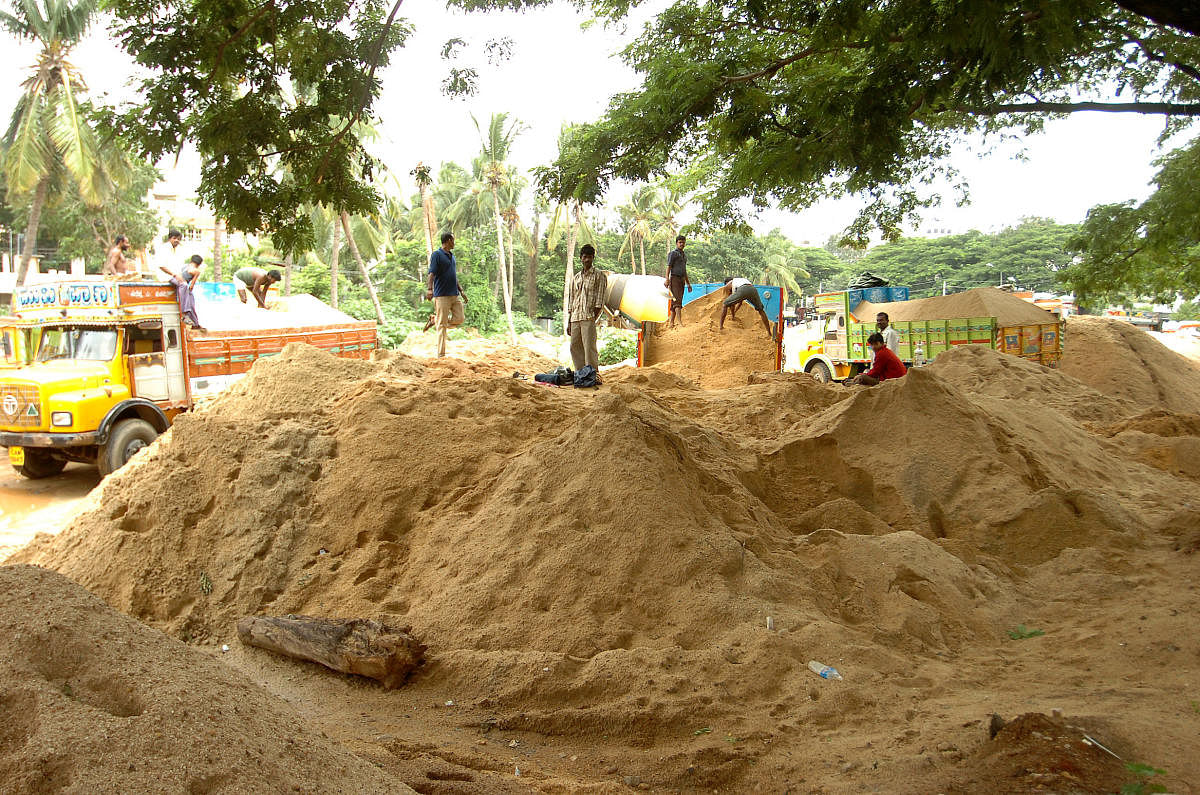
[(560, 72)]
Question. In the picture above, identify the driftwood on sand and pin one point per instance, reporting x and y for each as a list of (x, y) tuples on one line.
[(349, 645)]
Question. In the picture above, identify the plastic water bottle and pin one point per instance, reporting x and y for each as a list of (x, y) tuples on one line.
[(919, 356), (823, 671)]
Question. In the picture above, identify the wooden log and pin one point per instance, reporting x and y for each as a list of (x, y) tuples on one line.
[(349, 645)]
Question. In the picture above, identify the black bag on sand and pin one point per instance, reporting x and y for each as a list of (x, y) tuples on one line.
[(561, 376), (586, 377)]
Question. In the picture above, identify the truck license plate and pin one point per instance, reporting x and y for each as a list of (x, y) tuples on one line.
[(16, 456)]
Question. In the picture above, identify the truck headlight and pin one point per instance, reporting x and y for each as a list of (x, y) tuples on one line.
[(61, 418)]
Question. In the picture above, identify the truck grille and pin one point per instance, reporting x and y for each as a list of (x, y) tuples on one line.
[(19, 406)]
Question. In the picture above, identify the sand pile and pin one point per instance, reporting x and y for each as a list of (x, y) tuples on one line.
[(605, 561), (982, 372), (534, 352), (1121, 360), (714, 359), (980, 302), (93, 701)]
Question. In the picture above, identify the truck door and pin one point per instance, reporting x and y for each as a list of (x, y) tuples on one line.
[(147, 360), (176, 376)]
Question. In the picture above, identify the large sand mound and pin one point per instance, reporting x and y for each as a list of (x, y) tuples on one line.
[(630, 541), (1008, 309), (1121, 360), (713, 357), (93, 701)]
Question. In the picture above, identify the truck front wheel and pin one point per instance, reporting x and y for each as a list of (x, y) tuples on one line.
[(40, 464), (820, 371), (127, 439)]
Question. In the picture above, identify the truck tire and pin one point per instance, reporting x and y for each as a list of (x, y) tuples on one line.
[(127, 439), (40, 464), (820, 371)]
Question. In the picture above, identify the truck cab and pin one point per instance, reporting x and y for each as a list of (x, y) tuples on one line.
[(106, 378), (114, 365)]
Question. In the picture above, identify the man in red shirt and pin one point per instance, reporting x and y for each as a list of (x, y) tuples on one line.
[(887, 364)]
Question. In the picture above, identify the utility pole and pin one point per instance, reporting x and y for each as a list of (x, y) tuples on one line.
[(944, 285)]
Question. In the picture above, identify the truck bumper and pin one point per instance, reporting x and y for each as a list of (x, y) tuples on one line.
[(48, 439)]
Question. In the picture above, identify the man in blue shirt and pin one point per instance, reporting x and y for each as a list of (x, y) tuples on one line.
[(443, 289)]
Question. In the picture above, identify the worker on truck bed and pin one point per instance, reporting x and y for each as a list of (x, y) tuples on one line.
[(116, 264), (258, 281), (738, 290), (184, 282), (676, 279), (891, 337), (887, 364)]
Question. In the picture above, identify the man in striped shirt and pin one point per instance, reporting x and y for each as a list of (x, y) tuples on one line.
[(588, 288)]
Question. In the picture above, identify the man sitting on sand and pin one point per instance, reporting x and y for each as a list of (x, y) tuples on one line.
[(738, 290), (887, 364)]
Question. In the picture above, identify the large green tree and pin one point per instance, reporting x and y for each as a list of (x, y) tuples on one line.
[(271, 94), (786, 104)]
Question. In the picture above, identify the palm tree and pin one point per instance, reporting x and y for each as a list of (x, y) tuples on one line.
[(496, 146), (429, 220), (531, 290), (218, 246), (639, 215), (48, 134), (670, 203), (362, 265), (568, 218), (335, 250), (780, 268)]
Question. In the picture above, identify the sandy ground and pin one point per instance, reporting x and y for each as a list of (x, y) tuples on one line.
[(595, 571)]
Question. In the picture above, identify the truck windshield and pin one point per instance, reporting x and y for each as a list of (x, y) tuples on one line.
[(92, 344)]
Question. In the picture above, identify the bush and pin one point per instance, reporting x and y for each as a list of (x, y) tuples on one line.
[(522, 323), (481, 310), (618, 348)]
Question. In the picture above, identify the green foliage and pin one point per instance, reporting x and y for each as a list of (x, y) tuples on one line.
[(1150, 249), (271, 95), (88, 231), (1031, 253), (787, 104), (1021, 632), (482, 311), (1143, 784), (1188, 310), (617, 348)]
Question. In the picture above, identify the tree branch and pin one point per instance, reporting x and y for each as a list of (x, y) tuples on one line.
[(1165, 108), (1187, 69), (366, 89), (237, 34)]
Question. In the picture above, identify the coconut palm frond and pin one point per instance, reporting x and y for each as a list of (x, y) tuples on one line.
[(28, 158), (73, 140)]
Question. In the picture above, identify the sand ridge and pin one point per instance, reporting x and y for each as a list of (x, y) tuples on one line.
[(600, 565)]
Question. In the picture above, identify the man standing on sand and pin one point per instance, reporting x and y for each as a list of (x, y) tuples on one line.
[(116, 264), (887, 364), (891, 337), (442, 287), (588, 289), (738, 290), (257, 281), (677, 277)]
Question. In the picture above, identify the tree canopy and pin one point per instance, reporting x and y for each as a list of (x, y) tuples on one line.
[(270, 93), (790, 103)]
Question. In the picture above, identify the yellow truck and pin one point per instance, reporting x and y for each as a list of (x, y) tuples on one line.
[(114, 366), (832, 345)]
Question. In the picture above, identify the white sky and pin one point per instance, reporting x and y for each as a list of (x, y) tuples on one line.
[(562, 73)]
